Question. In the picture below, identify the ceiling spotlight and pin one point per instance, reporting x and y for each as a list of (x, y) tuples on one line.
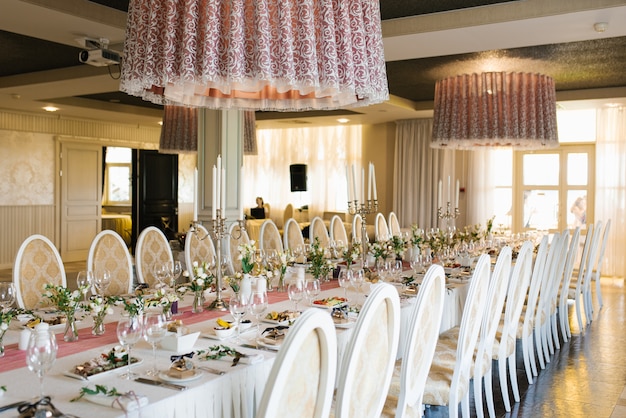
[(50, 108), (343, 120), (600, 27)]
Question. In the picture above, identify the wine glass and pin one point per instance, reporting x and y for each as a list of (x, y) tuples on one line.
[(7, 295), (416, 262), (396, 269), (295, 290), (312, 289), (129, 331), (84, 280), (41, 354), (358, 277), (154, 330), (238, 305), (258, 306), (175, 272), (160, 271), (344, 281), (102, 280)]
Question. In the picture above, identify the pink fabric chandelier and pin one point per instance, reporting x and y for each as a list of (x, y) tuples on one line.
[(495, 109), (255, 54)]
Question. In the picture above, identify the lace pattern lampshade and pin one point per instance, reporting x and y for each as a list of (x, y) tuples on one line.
[(495, 109), (287, 55)]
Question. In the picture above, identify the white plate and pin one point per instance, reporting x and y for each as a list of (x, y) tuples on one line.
[(121, 369), (213, 336), (277, 322), (164, 377), (263, 343)]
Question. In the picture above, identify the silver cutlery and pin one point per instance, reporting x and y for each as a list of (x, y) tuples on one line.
[(160, 383), (75, 376), (12, 405), (211, 370)]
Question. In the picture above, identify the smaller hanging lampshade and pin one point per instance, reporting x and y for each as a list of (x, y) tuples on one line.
[(179, 132), (495, 109)]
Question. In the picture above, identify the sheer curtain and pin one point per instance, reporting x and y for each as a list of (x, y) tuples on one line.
[(611, 185), (417, 171), (481, 186), (325, 150)]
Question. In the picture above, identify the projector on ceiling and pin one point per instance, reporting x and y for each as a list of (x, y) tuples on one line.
[(99, 57)]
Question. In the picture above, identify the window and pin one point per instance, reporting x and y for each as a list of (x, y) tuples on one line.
[(555, 188), (117, 177)]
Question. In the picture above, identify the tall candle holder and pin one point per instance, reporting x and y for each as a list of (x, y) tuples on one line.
[(218, 232), (449, 213), (363, 209)]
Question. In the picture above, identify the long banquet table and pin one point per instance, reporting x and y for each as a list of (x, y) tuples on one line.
[(234, 394)]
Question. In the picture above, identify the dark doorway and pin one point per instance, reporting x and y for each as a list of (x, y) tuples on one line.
[(155, 185)]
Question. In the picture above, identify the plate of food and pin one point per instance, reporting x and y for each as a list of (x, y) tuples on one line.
[(193, 375), (331, 302), (281, 318), (56, 322), (104, 364)]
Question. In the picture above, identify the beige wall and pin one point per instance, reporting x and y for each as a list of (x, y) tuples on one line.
[(378, 148)]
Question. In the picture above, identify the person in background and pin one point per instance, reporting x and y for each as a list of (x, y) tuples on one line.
[(258, 212), (579, 209)]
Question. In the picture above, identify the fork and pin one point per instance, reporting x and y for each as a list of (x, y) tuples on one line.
[(210, 370)]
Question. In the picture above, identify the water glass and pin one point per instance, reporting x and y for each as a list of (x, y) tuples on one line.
[(238, 306), (41, 354), (344, 279), (154, 330), (102, 280), (7, 295), (84, 281), (312, 290), (296, 291), (129, 331), (257, 307)]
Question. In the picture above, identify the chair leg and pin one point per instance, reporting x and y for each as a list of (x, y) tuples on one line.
[(546, 334), (578, 313), (588, 305), (562, 321), (489, 395), (478, 397), (465, 406), (598, 291), (539, 346), (513, 374), (504, 388), (527, 366), (555, 332)]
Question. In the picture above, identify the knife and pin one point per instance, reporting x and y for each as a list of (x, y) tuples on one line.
[(258, 347), (12, 405), (160, 383)]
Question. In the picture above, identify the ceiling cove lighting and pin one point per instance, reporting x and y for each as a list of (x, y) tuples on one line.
[(495, 109), (255, 54)]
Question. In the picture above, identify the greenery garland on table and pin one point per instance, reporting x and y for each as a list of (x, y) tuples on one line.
[(219, 351), (100, 389)]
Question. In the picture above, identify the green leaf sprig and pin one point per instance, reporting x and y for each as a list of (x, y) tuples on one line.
[(216, 352), (100, 389)]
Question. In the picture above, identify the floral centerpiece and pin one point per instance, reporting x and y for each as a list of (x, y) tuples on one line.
[(398, 246), (134, 305), (350, 254), (5, 320), (99, 307), (282, 260), (417, 236), (164, 297), (247, 256), (66, 301), (489, 227), (234, 281), (200, 279), (320, 265), (380, 250)]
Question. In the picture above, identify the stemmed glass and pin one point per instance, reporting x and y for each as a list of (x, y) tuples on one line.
[(344, 281), (175, 272), (102, 280), (238, 305), (258, 306), (7, 295), (129, 331), (84, 280), (416, 262), (154, 330), (396, 269), (295, 290), (358, 277), (161, 272), (312, 290), (41, 354)]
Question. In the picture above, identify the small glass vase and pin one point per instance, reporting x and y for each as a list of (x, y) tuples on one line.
[(98, 325), (167, 312), (281, 283), (2, 343), (268, 286), (198, 302), (71, 332)]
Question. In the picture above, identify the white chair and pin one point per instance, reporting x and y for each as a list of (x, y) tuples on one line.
[(317, 229), (407, 385), (572, 253), (236, 236), (525, 331), (287, 214), (394, 225), (37, 263), (504, 346), (576, 289), (199, 247), (556, 278), (292, 235), (357, 223), (481, 365), (302, 378), (448, 385), (369, 358), (152, 248), (108, 251), (382, 229), (589, 271), (338, 230), (597, 273), (270, 238)]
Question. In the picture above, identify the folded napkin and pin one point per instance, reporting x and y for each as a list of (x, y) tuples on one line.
[(127, 402)]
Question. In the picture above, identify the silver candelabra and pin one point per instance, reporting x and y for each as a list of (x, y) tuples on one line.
[(449, 213), (363, 209)]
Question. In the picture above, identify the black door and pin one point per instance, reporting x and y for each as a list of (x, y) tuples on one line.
[(156, 192)]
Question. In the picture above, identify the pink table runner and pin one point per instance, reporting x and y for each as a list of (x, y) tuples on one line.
[(15, 358)]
